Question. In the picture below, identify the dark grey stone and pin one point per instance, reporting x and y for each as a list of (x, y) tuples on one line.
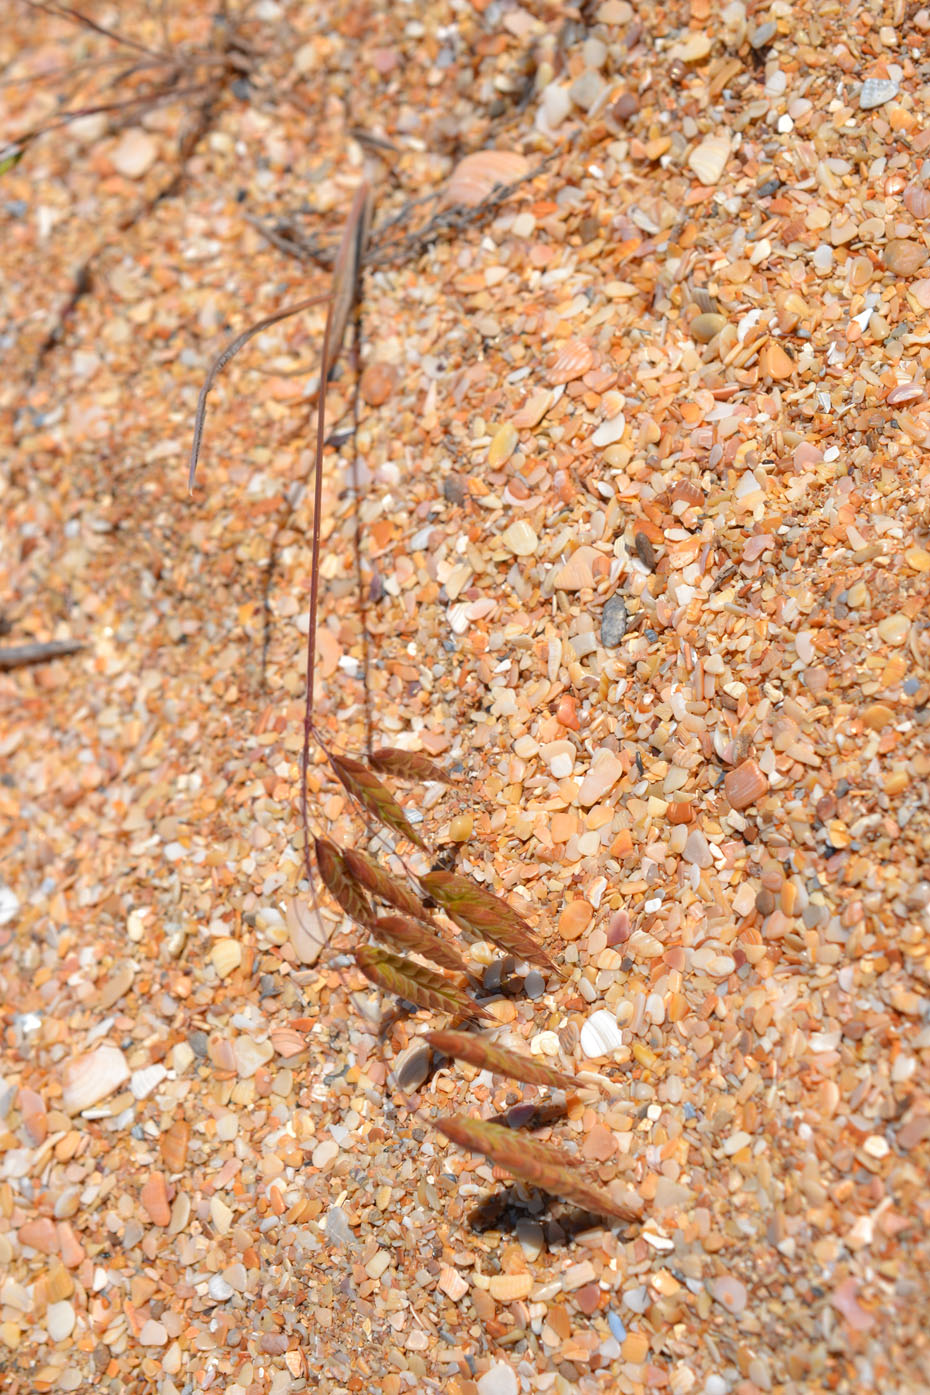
[(614, 620)]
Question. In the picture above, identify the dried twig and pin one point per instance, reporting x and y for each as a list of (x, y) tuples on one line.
[(25, 655)]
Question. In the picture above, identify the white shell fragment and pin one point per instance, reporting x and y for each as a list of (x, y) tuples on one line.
[(609, 431), (93, 1076), (600, 1035), (708, 160), (875, 92), (145, 1080), (9, 904)]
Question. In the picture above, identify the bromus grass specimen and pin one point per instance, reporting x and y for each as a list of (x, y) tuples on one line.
[(415, 917)]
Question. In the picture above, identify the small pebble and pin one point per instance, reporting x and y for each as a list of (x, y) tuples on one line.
[(875, 92), (600, 1035), (575, 919), (154, 1334), (894, 629), (625, 107), (325, 1152), (135, 154), (59, 1320), (610, 431), (499, 1380), (729, 1293), (338, 1230), (218, 1289), (534, 985), (645, 551), (705, 327), (636, 1299), (762, 35), (377, 382), (692, 49), (503, 444), (697, 850), (521, 539), (586, 89), (614, 620), (903, 256), (412, 1066), (615, 1323), (555, 106)]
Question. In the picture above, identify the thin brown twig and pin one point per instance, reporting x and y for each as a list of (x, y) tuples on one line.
[(76, 17), (146, 100), (345, 289), (26, 655), (357, 512)]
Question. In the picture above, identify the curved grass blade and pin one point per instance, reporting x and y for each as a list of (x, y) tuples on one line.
[(482, 914), (401, 932), (340, 883), (488, 1056), (374, 796), (220, 362), (538, 1164), (380, 883), (407, 979), (347, 270), (407, 765)]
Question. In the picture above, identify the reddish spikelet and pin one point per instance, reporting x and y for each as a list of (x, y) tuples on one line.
[(405, 978), (482, 914), (369, 874), (401, 932), (407, 765), (340, 883), (374, 796), (486, 1055), (538, 1164)]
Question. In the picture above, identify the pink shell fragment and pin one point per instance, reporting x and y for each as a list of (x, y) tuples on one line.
[(905, 392), (756, 545), (476, 176), (572, 361), (845, 1300)]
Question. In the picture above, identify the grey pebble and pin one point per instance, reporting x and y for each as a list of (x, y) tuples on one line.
[(636, 1299), (614, 620), (412, 1066), (534, 985), (338, 1231), (586, 90), (645, 551), (762, 36), (453, 489)]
